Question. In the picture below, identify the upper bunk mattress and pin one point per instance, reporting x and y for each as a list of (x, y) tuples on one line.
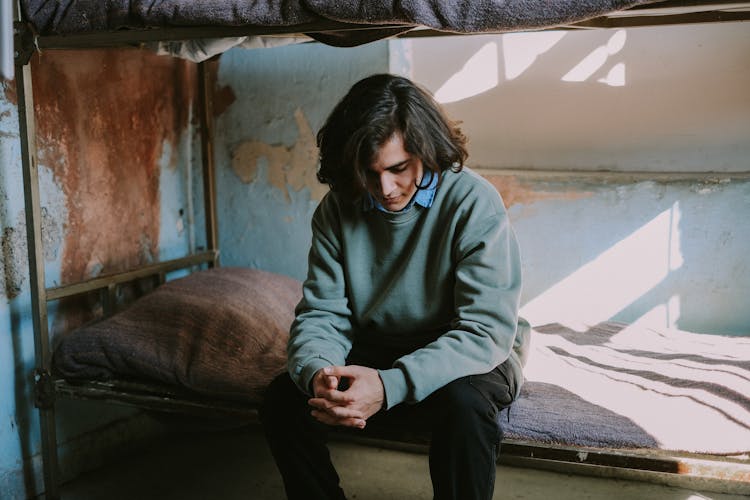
[(66, 17)]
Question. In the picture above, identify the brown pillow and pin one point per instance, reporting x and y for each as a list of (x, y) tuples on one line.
[(221, 332)]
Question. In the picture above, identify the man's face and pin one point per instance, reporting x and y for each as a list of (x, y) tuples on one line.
[(394, 174)]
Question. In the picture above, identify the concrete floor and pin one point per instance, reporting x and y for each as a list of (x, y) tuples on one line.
[(237, 464)]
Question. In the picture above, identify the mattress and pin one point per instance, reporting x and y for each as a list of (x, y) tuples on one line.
[(386, 18)]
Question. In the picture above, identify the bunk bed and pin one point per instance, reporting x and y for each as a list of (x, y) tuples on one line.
[(42, 25)]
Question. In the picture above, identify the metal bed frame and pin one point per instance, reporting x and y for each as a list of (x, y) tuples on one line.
[(48, 388)]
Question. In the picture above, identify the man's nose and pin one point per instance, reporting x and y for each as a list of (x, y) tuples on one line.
[(387, 183)]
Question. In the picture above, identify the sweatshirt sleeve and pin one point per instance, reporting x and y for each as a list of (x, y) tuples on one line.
[(320, 335), (486, 300)]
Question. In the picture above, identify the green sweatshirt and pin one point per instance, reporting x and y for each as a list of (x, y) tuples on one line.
[(439, 285)]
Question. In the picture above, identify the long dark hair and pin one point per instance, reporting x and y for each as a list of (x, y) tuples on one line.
[(369, 114)]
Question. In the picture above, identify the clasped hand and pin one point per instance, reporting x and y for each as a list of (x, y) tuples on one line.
[(362, 398)]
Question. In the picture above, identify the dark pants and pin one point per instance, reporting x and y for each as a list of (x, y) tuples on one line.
[(463, 418)]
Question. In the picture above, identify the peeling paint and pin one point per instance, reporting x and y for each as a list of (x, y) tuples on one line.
[(94, 267), (15, 250), (515, 192), (14, 261), (9, 89), (295, 166), (709, 186)]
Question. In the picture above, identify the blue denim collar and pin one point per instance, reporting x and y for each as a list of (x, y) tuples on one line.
[(423, 197)]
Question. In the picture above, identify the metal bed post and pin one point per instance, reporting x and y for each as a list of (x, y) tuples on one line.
[(207, 156), (44, 398)]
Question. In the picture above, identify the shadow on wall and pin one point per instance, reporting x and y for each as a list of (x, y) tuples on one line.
[(666, 253), (17, 344), (610, 99), (509, 57)]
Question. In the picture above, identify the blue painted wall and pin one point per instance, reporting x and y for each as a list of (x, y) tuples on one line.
[(664, 254), (265, 146)]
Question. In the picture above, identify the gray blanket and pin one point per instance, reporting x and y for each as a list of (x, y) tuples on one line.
[(460, 16)]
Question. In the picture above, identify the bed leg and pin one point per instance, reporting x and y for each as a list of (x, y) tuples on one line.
[(44, 400), (49, 453)]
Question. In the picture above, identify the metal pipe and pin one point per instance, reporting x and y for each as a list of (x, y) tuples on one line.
[(207, 155)]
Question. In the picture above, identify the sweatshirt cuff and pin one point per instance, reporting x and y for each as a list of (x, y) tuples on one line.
[(303, 375), (394, 384)]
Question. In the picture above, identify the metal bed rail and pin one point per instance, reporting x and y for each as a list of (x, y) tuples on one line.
[(47, 389)]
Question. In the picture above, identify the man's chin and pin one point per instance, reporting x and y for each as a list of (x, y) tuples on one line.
[(393, 206)]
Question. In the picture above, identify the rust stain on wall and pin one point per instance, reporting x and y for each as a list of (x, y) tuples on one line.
[(222, 97), (102, 119), (515, 192), (9, 90), (294, 166)]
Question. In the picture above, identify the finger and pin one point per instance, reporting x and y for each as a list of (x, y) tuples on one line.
[(340, 397), (358, 423), (335, 410), (321, 403), (327, 380), (332, 382), (336, 396), (343, 412), (323, 383), (341, 371)]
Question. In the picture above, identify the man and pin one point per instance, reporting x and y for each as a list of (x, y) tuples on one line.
[(410, 307)]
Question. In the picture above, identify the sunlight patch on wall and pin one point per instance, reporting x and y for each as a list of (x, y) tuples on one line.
[(615, 77), (598, 290), (478, 75), (596, 61), (521, 50)]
